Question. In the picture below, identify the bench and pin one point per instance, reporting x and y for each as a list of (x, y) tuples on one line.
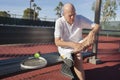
[(14, 35), (12, 66)]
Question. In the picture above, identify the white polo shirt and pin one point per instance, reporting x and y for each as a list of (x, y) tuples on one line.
[(71, 32)]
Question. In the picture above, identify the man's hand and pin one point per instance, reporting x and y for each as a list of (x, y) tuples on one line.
[(87, 42), (81, 46), (78, 47)]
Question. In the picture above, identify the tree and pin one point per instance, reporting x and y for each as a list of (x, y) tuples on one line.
[(34, 6), (34, 14), (108, 9), (58, 9), (38, 9), (30, 13), (26, 14), (4, 14)]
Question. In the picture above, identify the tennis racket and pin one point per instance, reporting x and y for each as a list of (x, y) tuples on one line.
[(33, 63)]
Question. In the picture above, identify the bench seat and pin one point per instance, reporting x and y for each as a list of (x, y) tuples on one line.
[(12, 66)]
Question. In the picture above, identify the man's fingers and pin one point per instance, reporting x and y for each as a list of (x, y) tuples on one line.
[(84, 45)]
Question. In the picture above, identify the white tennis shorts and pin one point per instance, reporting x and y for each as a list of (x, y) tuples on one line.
[(66, 52)]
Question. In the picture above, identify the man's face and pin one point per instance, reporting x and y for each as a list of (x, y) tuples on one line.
[(70, 16)]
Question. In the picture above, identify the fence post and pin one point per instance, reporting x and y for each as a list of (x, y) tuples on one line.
[(94, 59)]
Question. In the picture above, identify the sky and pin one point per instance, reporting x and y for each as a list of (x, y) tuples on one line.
[(83, 7)]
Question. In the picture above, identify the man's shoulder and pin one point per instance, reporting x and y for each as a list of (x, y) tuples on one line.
[(60, 19)]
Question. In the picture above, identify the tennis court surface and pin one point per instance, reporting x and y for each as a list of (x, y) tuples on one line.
[(108, 53)]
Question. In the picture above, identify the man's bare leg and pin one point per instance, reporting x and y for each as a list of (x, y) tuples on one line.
[(78, 66)]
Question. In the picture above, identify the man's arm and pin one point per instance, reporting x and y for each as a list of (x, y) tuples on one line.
[(92, 33), (62, 43), (77, 47), (88, 40)]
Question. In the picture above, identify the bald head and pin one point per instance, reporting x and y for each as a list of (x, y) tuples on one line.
[(68, 8)]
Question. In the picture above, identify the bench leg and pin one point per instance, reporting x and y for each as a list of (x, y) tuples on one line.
[(66, 70)]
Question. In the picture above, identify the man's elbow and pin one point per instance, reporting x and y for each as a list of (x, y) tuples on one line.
[(56, 42), (96, 28)]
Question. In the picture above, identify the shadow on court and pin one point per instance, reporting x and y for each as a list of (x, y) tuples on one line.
[(104, 73)]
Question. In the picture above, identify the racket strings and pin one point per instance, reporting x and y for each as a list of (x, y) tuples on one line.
[(34, 62)]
